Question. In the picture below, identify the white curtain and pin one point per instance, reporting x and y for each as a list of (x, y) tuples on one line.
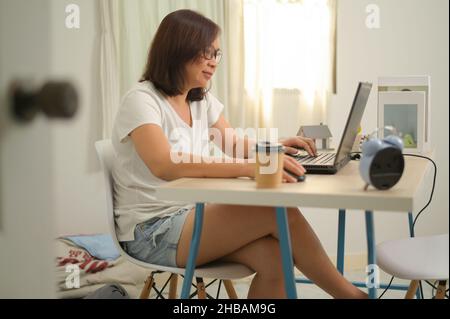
[(109, 67), (289, 47), (235, 63)]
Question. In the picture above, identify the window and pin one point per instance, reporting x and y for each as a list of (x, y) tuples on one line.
[(288, 45)]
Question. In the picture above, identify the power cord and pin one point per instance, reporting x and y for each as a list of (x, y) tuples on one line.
[(389, 284), (432, 188), (433, 286), (417, 216)]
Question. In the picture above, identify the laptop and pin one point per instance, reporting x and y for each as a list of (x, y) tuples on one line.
[(330, 163)]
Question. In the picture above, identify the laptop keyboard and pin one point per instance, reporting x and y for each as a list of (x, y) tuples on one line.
[(321, 158)]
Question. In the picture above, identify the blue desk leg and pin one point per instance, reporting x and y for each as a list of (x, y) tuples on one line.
[(286, 252), (193, 251), (341, 242), (411, 234), (371, 252)]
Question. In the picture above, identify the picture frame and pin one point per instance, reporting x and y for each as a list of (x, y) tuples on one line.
[(404, 113)]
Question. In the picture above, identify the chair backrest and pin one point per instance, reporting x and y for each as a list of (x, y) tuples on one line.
[(105, 153)]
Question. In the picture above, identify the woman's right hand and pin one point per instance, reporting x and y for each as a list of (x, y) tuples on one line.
[(289, 165), (295, 168)]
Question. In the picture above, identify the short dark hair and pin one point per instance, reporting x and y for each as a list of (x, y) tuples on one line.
[(181, 36)]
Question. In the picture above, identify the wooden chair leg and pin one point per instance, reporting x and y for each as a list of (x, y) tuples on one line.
[(147, 287), (440, 293), (173, 286), (201, 290), (230, 289), (412, 289)]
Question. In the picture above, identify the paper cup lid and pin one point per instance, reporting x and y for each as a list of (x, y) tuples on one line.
[(269, 147)]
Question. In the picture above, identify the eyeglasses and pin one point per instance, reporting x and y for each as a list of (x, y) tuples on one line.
[(210, 53)]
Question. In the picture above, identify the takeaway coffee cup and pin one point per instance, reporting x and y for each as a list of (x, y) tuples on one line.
[(269, 164)]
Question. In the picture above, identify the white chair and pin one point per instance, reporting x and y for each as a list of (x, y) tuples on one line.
[(225, 272), (415, 259)]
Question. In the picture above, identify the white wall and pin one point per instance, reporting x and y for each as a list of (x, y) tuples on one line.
[(412, 40), (79, 198)]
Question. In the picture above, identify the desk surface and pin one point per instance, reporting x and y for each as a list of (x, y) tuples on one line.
[(342, 190)]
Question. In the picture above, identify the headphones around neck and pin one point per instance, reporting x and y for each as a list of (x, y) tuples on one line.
[(382, 162)]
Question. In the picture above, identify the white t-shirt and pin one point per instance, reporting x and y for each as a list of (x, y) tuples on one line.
[(134, 183)]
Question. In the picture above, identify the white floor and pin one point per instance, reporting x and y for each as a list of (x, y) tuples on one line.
[(310, 291)]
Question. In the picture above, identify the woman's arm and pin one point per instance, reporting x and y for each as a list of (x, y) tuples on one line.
[(237, 147), (229, 142), (154, 149)]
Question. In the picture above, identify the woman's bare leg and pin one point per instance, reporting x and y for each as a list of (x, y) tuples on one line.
[(311, 259), (229, 228), (264, 257)]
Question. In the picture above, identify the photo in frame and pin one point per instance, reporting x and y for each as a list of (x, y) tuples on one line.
[(404, 113), (404, 109)]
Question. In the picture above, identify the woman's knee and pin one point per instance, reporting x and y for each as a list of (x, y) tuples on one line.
[(295, 216), (268, 218)]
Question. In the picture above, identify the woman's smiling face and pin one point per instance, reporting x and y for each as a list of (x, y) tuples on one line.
[(200, 71)]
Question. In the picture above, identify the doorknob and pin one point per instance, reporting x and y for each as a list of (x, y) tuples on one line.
[(55, 99)]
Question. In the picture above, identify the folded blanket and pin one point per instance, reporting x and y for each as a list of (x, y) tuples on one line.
[(93, 273), (100, 246)]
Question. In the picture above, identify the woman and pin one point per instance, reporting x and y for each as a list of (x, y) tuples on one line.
[(168, 113)]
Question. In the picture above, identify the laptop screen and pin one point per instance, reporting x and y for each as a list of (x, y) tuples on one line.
[(353, 121)]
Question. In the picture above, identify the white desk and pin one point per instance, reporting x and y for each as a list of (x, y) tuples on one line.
[(342, 191)]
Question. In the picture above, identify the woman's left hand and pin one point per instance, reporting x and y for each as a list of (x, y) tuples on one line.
[(292, 144)]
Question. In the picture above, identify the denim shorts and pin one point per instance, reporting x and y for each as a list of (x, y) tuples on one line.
[(156, 240)]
